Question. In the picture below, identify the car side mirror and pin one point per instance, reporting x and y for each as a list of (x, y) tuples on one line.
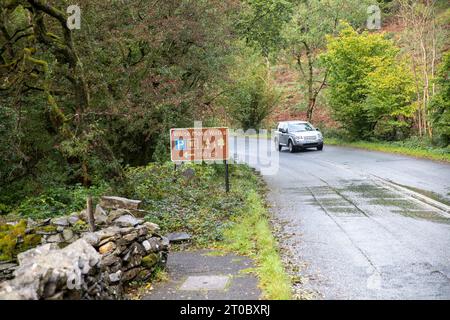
[(317, 129)]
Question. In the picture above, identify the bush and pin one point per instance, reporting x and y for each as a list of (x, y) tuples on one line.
[(197, 205), (57, 201)]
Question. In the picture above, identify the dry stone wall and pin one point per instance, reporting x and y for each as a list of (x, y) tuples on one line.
[(74, 263)]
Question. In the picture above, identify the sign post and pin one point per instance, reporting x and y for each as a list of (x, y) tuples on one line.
[(227, 177), (199, 145)]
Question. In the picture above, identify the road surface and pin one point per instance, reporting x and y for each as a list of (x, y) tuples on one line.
[(355, 228)]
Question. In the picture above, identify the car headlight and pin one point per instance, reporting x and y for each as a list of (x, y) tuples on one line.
[(319, 136)]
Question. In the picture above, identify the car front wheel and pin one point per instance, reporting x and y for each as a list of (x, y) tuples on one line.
[(291, 147), (320, 148)]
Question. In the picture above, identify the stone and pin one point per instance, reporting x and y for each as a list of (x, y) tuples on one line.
[(137, 248), (114, 214), (142, 231), (124, 231), (165, 243), (131, 274), (147, 246), (118, 202), (130, 237), (31, 223), (115, 267), (115, 290), (152, 244), (100, 210), (139, 213), (100, 216), (68, 235), (30, 254), (115, 277), (152, 228), (127, 256), (127, 221), (7, 270), (144, 275), (178, 237), (50, 290), (107, 248), (45, 222), (108, 232), (134, 261), (121, 242), (47, 231), (7, 266), (109, 259), (142, 239), (49, 264), (134, 249), (73, 220), (57, 238), (62, 222), (92, 238), (106, 240)]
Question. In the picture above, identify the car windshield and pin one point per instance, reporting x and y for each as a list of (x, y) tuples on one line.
[(300, 127)]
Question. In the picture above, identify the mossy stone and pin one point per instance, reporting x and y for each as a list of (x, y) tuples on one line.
[(80, 226), (47, 229), (150, 260), (10, 238)]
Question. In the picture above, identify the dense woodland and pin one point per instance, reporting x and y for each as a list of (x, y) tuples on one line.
[(78, 106)]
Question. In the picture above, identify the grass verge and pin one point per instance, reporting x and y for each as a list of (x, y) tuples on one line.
[(251, 235), (418, 152)]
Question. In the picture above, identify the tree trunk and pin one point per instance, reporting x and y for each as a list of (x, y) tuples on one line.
[(310, 83)]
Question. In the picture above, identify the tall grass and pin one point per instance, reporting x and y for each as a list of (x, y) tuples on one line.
[(251, 235), (405, 148)]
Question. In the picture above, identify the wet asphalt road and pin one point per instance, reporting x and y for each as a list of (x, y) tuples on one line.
[(353, 235)]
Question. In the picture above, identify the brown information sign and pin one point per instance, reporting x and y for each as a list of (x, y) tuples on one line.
[(199, 144)]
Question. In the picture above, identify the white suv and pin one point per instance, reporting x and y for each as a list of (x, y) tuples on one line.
[(297, 135)]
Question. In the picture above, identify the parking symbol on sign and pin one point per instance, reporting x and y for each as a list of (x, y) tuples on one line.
[(180, 145)]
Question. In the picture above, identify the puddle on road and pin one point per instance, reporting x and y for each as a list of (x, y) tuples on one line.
[(352, 196), (350, 200), (329, 199), (370, 191), (397, 203), (345, 211), (322, 191), (301, 191), (423, 214), (332, 202)]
